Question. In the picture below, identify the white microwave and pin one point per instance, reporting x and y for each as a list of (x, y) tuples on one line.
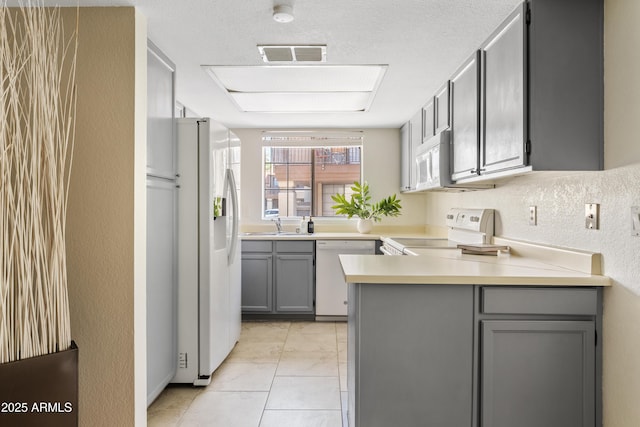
[(433, 166)]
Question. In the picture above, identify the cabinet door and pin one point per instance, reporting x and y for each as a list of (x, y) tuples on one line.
[(442, 109), (405, 157), (465, 109), (257, 282), (160, 114), (416, 140), (294, 283), (504, 95), (428, 120), (410, 355), (161, 285), (538, 373)]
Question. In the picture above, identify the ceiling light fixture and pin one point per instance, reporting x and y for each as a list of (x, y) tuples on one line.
[(282, 13), (299, 88)]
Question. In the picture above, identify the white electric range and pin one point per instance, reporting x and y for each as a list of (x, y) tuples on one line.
[(465, 226)]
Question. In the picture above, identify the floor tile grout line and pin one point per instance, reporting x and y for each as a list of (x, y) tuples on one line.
[(181, 418), (275, 372)]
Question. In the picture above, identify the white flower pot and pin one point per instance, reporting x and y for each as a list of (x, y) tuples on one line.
[(365, 226)]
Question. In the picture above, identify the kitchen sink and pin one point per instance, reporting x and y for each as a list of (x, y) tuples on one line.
[(272, 233)]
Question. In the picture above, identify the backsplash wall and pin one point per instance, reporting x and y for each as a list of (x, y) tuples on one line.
[(560, 202)]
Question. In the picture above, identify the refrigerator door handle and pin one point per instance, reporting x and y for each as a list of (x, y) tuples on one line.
[(234, 229)]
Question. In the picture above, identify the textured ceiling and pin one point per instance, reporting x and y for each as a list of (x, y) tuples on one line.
[(422, 41)]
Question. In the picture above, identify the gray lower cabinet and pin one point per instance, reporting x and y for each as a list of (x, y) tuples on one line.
[(257, 282), (538, 373), (294, 283), (539, 360), (410, 355), (477, 356), (278, 277)]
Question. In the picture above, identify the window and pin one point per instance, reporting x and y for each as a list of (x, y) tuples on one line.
[(300, 180)]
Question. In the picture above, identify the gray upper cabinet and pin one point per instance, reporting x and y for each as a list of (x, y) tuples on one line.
[(442, 109), (411, 138), (566, 85), (428, 120), (541, 93), (465, 125), (504, 95), (405, 157)]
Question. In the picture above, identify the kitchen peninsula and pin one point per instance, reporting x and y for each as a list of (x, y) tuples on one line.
[(467, 340)]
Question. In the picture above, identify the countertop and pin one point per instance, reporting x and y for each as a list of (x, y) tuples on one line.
[(331, 236), (314, 236), (526, 264)]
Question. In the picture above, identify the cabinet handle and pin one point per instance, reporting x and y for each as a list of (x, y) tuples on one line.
[(345, 303)]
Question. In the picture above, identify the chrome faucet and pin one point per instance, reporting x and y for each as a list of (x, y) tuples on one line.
[(278, 223)]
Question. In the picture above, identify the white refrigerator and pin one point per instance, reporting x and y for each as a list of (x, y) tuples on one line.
[(209, 291)]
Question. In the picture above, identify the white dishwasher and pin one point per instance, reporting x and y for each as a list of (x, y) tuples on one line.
[(331, 289)]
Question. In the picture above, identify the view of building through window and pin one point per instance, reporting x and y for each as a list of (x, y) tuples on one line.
[(299, 181)]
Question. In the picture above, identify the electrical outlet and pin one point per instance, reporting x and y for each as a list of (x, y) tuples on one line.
[(533, 215), (635, 220), (592, 216)]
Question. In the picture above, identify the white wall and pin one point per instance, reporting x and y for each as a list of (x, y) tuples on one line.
[(560, 201), (381, 169)]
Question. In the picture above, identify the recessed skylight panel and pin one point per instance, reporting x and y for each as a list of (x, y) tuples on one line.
[(300, 88)]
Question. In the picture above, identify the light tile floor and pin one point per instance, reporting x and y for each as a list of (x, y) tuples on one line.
[(280, 374)]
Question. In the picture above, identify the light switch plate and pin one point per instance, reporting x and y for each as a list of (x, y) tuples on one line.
[(592, 216), (533, 215), (635, 220)]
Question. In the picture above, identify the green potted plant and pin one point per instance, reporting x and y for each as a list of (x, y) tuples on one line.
[(359, 205), (38, 359)]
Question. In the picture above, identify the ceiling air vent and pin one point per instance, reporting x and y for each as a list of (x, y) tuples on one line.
[(293, 54)]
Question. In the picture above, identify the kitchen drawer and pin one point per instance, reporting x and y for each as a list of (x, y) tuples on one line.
[(562, 301), (305, 246), (257, 246)]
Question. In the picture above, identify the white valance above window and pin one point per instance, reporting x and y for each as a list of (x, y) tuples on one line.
[(311, 138)]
